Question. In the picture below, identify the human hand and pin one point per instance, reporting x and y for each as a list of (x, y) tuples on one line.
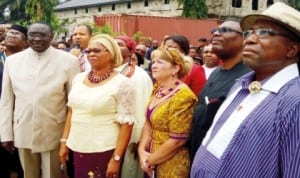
[(144, 164), (75, 51), (63, 153), (113, 169), (9, 146)]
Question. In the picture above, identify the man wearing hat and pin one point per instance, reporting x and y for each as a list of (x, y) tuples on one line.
[(256, 132), (15, 41)]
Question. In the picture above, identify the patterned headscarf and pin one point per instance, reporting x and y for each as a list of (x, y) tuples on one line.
[(129, 42)]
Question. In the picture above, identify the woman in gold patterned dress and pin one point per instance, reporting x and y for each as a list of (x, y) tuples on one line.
[(162, 149)]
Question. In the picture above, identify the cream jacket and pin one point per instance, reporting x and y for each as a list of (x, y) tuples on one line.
[(34, 96)]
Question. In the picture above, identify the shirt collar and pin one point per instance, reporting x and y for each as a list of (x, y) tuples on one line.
[(281, 78), (276, 81)]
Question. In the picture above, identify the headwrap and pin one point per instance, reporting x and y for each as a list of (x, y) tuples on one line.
[(129, 42), (175, 57), (111, 45)]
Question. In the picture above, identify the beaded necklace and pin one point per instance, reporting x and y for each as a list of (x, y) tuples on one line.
[(160, 91), (95, 79)]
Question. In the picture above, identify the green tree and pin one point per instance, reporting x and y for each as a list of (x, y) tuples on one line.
[(42, 10), (295, 4), (25, 12), (17, 9), (195, 9), (106, 29)]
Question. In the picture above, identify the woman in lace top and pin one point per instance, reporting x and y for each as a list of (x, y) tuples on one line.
[(100, 117)]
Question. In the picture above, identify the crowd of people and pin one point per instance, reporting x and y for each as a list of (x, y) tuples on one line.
[(100, 106)]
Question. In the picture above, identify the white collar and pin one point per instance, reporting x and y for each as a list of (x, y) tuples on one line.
[(281, 78)]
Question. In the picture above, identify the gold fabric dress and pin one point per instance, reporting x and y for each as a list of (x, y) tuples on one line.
[(172, 119)]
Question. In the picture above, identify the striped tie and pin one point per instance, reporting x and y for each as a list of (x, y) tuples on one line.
[(82, 63)]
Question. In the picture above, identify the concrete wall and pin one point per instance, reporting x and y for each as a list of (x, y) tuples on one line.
[(221, 9), (155, 8)]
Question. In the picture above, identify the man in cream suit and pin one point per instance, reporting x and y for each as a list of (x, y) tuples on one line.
[(36, 83)]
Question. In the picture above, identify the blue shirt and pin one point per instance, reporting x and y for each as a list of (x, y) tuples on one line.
[(266, 143)]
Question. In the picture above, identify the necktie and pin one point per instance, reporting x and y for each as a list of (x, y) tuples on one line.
[(82, 62)]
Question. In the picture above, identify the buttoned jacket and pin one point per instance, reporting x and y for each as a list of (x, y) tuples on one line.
[(34, 96)]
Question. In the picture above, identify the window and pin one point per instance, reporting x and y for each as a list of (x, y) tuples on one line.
[(86, 10), (146, 3), (167, 1), (270, 2), (129, 5), (75, 11), (254, 4), (237, 3), (99, 9), (113, 7)]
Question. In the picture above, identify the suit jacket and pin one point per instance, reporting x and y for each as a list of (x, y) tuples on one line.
[(34, 97)]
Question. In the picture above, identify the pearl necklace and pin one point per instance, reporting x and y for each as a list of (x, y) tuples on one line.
[(95, 79), (159, 93)]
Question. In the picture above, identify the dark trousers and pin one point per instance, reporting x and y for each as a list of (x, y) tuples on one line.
[(10, 163), (70, 165)]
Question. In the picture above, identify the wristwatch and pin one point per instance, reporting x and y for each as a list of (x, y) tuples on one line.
[(117, 157)]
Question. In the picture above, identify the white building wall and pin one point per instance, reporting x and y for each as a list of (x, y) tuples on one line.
[(223, 8), (155, 8), (218, 8)]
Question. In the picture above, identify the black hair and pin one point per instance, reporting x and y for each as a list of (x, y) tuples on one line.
[(140, 59), (20, 28), (202, 39), (89, 28), (181, 40), (63, 42)]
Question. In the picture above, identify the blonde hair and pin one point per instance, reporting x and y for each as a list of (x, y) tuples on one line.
[(111, 45), (174, 57)]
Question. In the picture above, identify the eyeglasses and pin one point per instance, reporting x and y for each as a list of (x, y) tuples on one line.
[(94, 50), (15, 34), (264, 33), (223, 30), (40, 35)]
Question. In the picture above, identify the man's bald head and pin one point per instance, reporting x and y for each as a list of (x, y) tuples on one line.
[(233, 25)]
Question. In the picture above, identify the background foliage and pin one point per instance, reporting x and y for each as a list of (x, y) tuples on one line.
[(25, 12)]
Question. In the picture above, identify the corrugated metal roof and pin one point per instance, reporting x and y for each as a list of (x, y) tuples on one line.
[(86, 3)]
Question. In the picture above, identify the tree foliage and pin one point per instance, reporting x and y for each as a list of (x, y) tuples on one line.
[(295, 4), (195, 9), (25, 12), (17, 9)]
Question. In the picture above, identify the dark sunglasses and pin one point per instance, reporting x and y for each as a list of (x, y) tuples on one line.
[(94, 50), (223, 30), (264, 33)]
